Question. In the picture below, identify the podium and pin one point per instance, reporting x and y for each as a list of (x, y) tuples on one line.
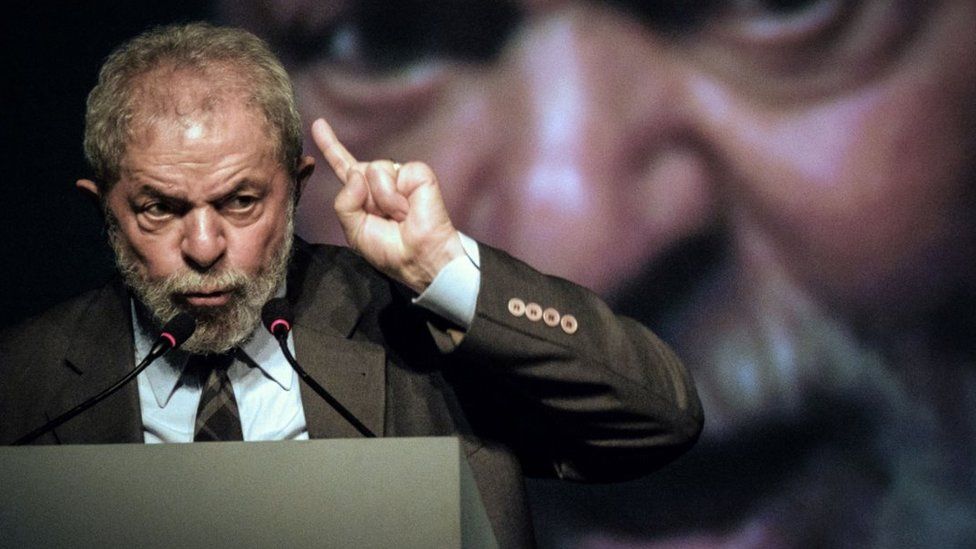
[(396, 492)]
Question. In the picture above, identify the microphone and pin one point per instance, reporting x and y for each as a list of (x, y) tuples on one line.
[(277, 318), (174, 333)]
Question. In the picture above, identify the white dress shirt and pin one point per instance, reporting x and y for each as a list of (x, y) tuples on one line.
[(265, 386)]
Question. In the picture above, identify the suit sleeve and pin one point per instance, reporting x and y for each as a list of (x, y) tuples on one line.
[(580, 393)]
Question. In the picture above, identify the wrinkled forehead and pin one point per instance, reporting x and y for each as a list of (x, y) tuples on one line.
[(186, 100), (172, 91)]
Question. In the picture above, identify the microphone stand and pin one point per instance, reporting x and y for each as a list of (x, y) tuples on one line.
[(176, 331), (282, 338)]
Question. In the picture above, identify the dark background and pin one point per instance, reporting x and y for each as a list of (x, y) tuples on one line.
[(53, 245)]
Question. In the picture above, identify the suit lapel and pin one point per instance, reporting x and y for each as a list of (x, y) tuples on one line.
[(352, 372), (329, 295), (101, 353)]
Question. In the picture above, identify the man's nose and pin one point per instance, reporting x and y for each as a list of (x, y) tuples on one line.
[(599, 155), (204, 242)]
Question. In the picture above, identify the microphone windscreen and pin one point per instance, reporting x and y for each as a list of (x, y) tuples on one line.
[(180, 328), (276, 315)]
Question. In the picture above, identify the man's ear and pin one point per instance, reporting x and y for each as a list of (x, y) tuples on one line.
[(89, 186), (306, 165), (90, 189), (93, 193)]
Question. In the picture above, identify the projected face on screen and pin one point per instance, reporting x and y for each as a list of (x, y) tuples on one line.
[(782, 189), (733, 173)]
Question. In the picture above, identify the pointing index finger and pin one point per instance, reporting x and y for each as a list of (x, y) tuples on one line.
[(335, 153)]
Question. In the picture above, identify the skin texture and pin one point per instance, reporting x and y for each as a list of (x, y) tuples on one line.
[(784, 193)]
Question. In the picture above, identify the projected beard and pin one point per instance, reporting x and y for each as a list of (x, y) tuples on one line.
[(219, 329)]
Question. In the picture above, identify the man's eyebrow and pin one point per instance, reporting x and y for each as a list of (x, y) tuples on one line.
[(242, 185), (155, 192), (147, 190)]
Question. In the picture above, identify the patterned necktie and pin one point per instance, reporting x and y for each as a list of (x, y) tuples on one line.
[(217, 416)]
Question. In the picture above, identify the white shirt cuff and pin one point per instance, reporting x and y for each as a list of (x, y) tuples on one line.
[(453, 294)]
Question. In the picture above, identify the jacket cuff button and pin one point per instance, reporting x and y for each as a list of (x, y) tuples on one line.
[(551, 317), (516, 306), (568, 324)]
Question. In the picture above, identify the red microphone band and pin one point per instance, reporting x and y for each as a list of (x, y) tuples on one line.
[(279, 322), (172, 340)]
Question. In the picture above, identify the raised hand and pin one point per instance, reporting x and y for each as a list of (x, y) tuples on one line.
[(393, 215)]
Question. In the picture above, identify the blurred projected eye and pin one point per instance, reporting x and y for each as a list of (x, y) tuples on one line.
[(787, 50), (381, 37), (778, 22), (380, 65)]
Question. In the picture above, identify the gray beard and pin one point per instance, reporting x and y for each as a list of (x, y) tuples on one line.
[(219, 329)]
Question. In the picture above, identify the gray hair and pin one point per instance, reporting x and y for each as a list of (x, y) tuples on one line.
[(235, 59)]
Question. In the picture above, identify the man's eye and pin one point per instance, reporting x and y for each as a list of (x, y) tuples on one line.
[(773, 7), (240, 203), (778, 22), (792, 50), (753, 19), (379, 36), (157, 210)]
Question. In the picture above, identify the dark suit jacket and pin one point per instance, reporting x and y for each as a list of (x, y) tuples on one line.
[(609, 401)]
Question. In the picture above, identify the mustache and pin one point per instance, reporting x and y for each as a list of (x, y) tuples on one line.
[(665, 287), (190, 282)]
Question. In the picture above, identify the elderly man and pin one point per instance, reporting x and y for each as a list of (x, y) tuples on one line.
[(195, 143)]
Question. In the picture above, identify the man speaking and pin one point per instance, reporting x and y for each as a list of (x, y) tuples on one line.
[(414, 330)]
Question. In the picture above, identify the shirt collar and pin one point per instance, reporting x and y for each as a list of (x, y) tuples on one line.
[(265, 353), (165, 374)]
